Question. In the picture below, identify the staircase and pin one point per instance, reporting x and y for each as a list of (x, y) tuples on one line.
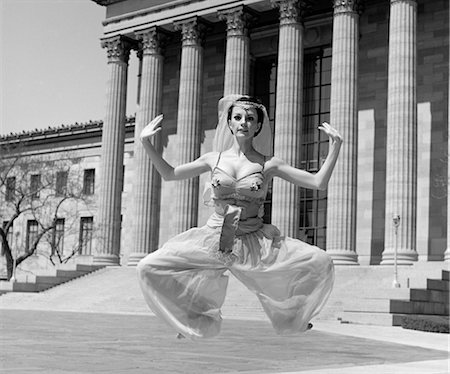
[(361, 295), (425, 309), (44, 282)]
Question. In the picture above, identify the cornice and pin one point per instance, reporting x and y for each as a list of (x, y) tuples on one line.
[(60, 131)]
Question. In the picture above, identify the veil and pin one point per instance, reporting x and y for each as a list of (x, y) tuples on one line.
[(223, 138)]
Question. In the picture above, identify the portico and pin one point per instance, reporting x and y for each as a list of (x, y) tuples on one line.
[(216, 49)]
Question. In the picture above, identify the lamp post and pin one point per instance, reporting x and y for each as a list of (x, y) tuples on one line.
[(396, 222)]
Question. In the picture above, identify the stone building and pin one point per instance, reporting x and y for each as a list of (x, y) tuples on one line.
[(377, 70)]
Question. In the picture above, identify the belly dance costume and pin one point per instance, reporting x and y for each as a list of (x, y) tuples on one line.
[(184, 283)]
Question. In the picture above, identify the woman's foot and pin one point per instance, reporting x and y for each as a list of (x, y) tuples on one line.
[(180, 336), (310, 326)]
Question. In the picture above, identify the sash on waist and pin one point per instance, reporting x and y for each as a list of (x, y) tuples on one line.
[(232, 226)]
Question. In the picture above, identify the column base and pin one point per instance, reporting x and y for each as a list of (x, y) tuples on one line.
[(106, 260), (403, 258), (343, 257), (134, 258)]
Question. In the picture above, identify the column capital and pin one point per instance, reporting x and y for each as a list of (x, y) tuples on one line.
[(192, 31), (238, 20), (291, 11), (151, 41), (118, 48), (347, 6)]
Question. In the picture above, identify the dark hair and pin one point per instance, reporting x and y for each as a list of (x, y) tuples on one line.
[(259, 112)]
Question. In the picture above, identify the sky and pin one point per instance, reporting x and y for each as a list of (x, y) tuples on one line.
[(53, 69)]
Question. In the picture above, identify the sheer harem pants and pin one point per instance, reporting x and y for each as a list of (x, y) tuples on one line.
[(185, 285)]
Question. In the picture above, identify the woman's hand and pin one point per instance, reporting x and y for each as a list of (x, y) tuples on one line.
[(333, 134), (151, 129)]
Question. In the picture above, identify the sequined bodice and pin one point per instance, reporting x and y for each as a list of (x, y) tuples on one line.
[(247, 192)]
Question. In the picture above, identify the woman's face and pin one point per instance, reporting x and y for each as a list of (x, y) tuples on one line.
[(244, 121)]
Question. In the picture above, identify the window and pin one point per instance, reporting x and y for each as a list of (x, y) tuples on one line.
[(10, 188), (35, 185), (89, 182), (32, 233), (85, 240), (316, 109), (9, 237), (61, 183), (58, 237)]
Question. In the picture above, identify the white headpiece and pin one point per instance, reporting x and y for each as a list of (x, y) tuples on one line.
[(223, 138)]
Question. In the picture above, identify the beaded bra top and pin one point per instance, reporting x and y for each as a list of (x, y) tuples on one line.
[(249, 188)]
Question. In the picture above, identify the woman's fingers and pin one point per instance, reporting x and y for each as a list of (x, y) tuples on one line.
[(155, 121), (152, 128), (330, 131)]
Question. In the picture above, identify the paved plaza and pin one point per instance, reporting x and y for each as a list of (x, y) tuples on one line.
[(45, 341)]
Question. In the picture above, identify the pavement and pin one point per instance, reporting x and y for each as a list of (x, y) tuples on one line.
[(50, 342), (100, 324)]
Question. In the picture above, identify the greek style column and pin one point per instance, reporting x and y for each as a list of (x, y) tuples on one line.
[(341, 210), (401, 147), (113, 136), (148, 181), (288, 115), (447, 252), (237, 58), (189, 115)]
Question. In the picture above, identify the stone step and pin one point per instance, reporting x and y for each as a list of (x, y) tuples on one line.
[(396, 306), (368, 306), (371, 318), (63, 273), (438, 284), (25, 287), (88, 268), (50, 280), (435, 296), (446, 275), (6, 286), (378, 293), (418, 307)]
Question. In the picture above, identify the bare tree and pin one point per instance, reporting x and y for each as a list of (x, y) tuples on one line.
[(50, 192)]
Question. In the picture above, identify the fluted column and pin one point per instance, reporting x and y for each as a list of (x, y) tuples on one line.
[(288, 115), (447, 252), (147, 187), (341, 210), (237, 58), (401, 147), (111, 167), (189, 115)]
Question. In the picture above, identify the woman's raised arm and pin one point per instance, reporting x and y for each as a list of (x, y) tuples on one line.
[(167, 171), (302, 178)]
